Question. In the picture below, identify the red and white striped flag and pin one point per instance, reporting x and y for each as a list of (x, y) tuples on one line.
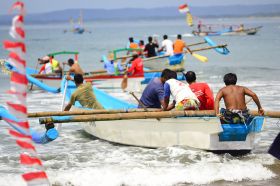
[(184, 8), (18, 106)]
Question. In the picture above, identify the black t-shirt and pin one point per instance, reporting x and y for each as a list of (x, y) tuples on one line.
[(151, 49)]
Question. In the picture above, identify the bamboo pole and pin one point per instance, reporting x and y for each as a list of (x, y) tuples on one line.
[(86, 112), (193, 44), (194, 50), (141, 115), (108, 117), (44, 75)]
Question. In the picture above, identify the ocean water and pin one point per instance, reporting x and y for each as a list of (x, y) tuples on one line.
[(78, 159)]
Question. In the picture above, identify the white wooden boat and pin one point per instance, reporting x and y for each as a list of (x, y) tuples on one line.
[(199, 133), (206, 133)]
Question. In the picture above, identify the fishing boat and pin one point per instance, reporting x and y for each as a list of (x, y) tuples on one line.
[(205, 133), (77, 28), (228, 32)]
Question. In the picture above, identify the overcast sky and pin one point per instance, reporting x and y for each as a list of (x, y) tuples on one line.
[(37, 6)]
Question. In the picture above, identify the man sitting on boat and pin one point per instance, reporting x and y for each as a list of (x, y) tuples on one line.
[(111, 66), (137, 67), (150, 48), (184, 98), (153, 95), (179, 45), (234, 97), (201, 90), (84, 94), (167, 46), (74, 69)]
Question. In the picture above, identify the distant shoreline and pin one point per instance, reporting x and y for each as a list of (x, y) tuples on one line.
[(167, 13), (143, 19)]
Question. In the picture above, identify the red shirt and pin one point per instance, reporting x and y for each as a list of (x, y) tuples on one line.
[(136, 67), (204, 94)]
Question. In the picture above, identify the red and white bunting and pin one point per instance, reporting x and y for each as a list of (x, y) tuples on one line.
[(18, 106)]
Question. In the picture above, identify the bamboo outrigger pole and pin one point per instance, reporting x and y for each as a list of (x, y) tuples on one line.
[(141, 115), (87, 112)]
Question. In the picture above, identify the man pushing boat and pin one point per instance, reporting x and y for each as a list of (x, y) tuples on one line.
[(234, 97), (84, 94)]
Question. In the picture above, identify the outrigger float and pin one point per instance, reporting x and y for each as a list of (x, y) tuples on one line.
[(154, 129)]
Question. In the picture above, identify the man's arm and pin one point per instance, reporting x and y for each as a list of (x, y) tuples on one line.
[(68, 107), (250, 93), (188, 49), (71, 102), (68, 77), (133, 65), (165, 101), (217, 101)]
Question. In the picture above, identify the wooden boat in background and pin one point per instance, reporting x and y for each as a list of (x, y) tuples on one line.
[(228, 32)]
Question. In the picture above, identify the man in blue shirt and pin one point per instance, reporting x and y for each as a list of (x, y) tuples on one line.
[(153, 95)]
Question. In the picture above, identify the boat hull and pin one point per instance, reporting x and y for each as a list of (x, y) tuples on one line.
[(250, 31), (163, 63), (199, 133)]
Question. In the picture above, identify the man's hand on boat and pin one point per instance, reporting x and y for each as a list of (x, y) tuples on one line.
[(68, 77), (261, 111)]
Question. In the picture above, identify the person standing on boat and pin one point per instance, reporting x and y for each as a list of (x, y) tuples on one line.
[(84, 94), (74, 69), (184, 98), (234, 97), (179, 45), (150, 48), (153, 94), (167, 46), (201, 90), (132, 44), (137, 68)]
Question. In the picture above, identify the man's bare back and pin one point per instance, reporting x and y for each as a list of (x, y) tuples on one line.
[(76, 69), (234, 95)]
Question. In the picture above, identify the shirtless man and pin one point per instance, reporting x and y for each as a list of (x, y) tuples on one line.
[(234, 98), (74, 69)]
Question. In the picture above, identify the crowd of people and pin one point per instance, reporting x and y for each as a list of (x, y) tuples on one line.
[(189, 95), (152, 48)]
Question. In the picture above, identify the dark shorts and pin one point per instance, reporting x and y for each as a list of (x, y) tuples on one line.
[(235, 116)]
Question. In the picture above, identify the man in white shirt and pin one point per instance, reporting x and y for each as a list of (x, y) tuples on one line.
[(167, 46), (184, 98)]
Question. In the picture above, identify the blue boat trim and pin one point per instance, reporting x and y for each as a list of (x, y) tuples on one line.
[(239, 132), (223, 50), (37, 137)]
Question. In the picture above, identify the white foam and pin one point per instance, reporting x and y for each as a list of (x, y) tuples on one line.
[(198, 173)]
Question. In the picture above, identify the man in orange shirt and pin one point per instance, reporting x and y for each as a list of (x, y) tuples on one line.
[(132, 44), (179, 45)]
